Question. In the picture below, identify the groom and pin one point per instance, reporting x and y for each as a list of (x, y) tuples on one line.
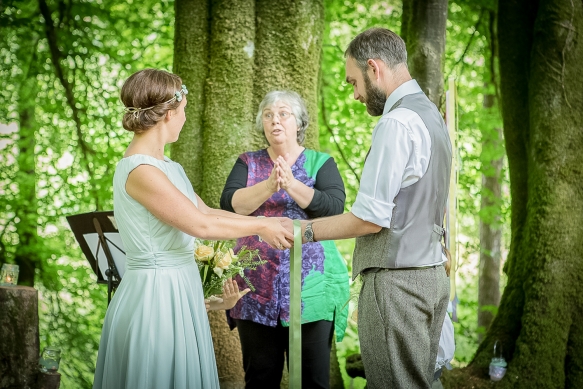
[(397, 217)]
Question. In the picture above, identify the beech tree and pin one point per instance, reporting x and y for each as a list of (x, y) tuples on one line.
[(492, 162), (538, 325), (423, 30), (231, 53)]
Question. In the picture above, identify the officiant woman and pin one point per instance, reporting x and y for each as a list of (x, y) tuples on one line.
[(286, 179)]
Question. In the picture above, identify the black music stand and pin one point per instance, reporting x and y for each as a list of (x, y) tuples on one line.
[(96, 233)]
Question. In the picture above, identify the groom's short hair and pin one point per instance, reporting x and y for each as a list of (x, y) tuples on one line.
[(377, 43)]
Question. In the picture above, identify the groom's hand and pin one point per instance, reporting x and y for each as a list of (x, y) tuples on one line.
[(288, 224), (303, 223)]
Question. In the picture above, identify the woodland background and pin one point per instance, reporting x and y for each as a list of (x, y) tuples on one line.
[(62, 63)]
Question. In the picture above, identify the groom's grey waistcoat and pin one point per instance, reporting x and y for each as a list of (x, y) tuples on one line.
[(413, 240)]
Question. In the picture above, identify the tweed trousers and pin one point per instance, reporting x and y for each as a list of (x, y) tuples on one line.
[(400, 316)]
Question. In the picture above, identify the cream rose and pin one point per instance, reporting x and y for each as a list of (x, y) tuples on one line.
[(203, 253), (225, 260)]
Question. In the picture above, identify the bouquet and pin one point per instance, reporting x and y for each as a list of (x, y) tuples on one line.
[(217, 262)]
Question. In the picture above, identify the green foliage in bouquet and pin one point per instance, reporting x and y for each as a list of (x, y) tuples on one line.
[(217, 262)]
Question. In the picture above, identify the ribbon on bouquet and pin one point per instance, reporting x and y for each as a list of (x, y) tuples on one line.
[(295, 309)]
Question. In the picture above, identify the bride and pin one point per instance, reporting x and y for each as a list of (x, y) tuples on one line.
[(156, 332)]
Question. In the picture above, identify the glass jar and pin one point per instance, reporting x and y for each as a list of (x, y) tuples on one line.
[(9, 275), (497, 369), (497, 364), (49, 360)]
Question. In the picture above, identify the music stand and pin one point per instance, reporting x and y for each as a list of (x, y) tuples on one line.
[(96, 233)]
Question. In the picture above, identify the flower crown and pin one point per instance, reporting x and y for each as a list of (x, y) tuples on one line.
[(177, 96)]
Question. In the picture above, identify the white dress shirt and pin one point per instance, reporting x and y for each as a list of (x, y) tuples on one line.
[(399, 157), (446, 350)]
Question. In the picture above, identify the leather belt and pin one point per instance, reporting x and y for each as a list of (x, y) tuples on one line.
[(378, 269)]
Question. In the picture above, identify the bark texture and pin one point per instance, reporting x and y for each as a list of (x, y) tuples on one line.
[(539, 319), (191, 42), (19, 340), (490, 234), (289, 46), (492, 162), (49, 381), (423, 30), (227, 128), (229, 110)]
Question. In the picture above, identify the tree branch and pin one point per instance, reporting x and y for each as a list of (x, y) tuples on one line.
[(325, 120), (70, 96), (492, 45), (467, 46)]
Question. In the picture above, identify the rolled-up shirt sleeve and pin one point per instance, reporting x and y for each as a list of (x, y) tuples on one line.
[(383, 173)]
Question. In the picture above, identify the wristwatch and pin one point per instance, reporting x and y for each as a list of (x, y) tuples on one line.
[(309, 233)]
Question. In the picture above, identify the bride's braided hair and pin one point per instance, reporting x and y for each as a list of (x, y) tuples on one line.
[(147, 96)]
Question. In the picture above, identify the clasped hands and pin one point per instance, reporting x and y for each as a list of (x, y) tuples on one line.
[(288, 226), (281, 176)]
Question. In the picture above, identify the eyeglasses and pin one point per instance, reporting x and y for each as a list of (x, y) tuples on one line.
[(283, 116)]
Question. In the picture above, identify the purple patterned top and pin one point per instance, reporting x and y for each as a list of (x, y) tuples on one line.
[(327, 293)]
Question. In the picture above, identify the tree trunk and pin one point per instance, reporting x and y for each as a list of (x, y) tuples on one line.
[(490, 231), (239, 50), (228, 125), (289, 49), (229, 111), (539, 320), (48, 381), (191, 42), (19, 341), (423, 30)]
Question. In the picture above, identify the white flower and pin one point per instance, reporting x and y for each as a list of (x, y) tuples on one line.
[(218, 271)]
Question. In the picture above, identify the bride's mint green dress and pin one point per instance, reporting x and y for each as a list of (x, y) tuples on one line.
[(156, 332)]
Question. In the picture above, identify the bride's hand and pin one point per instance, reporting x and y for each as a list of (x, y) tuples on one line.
[(277, 234), (229, 297)]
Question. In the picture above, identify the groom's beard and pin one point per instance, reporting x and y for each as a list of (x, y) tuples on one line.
[(375, 98)]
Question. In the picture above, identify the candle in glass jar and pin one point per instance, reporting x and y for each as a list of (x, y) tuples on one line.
[(9, 275), (49, 360)]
